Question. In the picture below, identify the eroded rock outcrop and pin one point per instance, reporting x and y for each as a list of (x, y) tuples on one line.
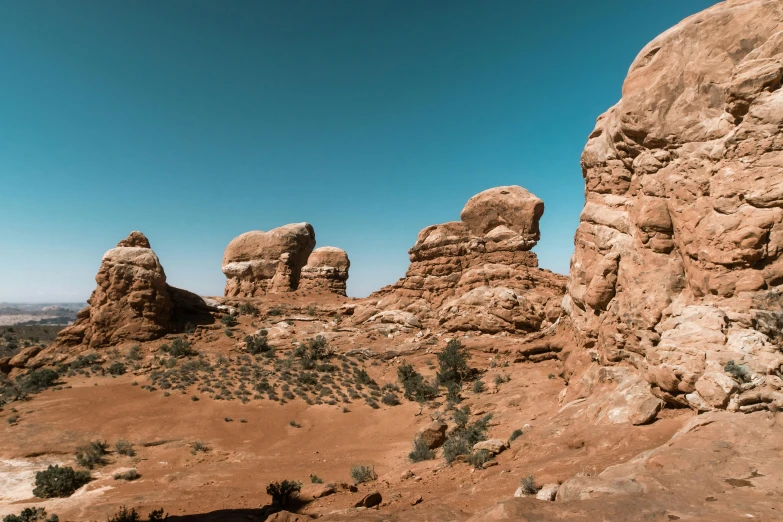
[(678, 265), (258, 263), (131, 302), (478, 274), (326, 269)]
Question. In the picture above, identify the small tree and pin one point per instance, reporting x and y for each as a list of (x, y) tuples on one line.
[(453, 363), (413, 384)]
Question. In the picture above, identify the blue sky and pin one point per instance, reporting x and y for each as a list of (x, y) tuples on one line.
[(196, 121)]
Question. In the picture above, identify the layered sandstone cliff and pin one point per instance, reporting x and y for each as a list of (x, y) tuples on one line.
[(678, 265), (478, 274)]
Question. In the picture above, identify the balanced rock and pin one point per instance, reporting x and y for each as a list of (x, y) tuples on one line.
[(131, 302), (257, 263), (478, 274), (326, 269), (679, 252)]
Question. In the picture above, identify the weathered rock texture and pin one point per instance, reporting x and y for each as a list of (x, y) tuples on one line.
[(678, 266), (326, 269), (258, 263), (131, 302), (478, 274)]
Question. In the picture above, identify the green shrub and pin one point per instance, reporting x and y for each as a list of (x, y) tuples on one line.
[(129, 475), (461, 416), (477, 459), (131, 515), (315, 479), (124, 447), (315, 349), (478, 386), (91, 454), (390, 399), (38, 380), (500, 379), (738, 371), (59, 482), (420, 451), (157, 515), (528, 485), (294, 424), (361, 474), (454, 446), (283, 493), (257, 344), (84, 361), (275, 311), (199, 446), (117, 368), (515, 435), (363, 378), (134, 353), (413, 384), (453, 392), (180, 347), (453, 364), (31, 515), (229, 320), (464, 436), (248, 309), (307, 379)]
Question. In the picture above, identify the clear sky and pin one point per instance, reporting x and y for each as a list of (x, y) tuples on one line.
[(371, 119)]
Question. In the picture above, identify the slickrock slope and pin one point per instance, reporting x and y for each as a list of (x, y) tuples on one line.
[(131, 302), (478, 274), (678, 264), (257, 263), (326, 269)]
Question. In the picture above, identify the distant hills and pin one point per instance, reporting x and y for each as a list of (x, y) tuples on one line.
[(38, 313)]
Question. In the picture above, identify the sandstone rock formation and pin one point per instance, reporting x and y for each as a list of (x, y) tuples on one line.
[(326, 269), (478, 274), (257, 263), (131, 302), (678, 261)]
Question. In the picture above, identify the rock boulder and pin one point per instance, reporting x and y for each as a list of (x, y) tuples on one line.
[(326, 269), (256, 263)]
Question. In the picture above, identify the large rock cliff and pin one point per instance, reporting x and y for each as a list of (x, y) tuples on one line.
[(678, 265)]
